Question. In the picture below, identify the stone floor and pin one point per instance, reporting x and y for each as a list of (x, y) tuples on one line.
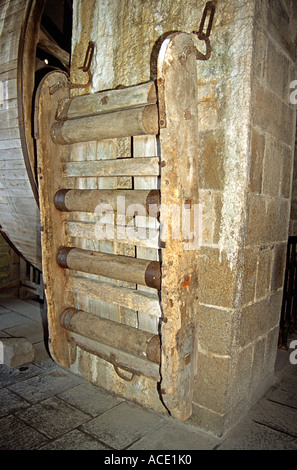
[(43, 407)]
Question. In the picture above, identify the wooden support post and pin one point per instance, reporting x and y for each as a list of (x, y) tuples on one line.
[(86, 200), (129, 122), (178, 96), (123, 337), (124, 268)]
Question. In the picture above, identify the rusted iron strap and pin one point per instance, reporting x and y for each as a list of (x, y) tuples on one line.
[(86, 67)]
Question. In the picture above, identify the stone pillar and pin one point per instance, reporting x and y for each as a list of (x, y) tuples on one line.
[(246, 178)]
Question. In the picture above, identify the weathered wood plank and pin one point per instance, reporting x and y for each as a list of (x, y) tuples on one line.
[(53, 236), (115, 167), (131, 298), (179, 183), (131, 235)]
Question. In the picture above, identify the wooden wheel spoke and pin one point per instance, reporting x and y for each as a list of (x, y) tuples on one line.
[(47, 43)]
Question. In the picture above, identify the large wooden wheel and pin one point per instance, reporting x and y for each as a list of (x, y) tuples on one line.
[(32, 43)]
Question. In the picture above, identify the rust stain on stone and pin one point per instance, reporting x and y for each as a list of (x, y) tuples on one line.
[(187, 281)]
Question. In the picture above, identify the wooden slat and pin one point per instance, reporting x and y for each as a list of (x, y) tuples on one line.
[(87, 230), (115, 167), (130, 298)]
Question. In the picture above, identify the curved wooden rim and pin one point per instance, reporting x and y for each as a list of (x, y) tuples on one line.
[(32, 16)]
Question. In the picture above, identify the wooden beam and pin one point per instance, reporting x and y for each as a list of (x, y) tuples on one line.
[(123, 337), (124, 268), (125, 123), (87, 200), (107, 101), (115, 167), (48, 44), (122, 359)]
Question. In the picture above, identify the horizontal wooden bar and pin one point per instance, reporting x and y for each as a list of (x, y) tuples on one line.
[(125, 123), (147, 302), (116, 167), (123, 358), (123, 337), (107, 101), (86, 200), (124, 268)]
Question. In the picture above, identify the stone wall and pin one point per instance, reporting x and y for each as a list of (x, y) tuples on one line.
[(246, 143), (237, 340)]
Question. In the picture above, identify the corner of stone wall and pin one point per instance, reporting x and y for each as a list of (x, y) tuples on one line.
[(246, 186)]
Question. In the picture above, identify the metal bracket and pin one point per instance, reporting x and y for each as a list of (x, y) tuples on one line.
[(86, 67)]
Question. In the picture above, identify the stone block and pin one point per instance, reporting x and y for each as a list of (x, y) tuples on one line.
[(272, 168), (16, 352), (215, 423), (256, 162), (279, 24), (278, 82), (222, 381), (256, 216), (215, 329), (264, 271), (258, 363), (211, 162), (278, 266), (217, 283), (260, 49), (249, 273), (258, 319), (211, 202), (272, 115), (267, 220), (271, 348), (287, 172), (211, 382)]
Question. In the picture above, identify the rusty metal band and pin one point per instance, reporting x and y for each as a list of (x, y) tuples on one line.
[(153, 202), (61, 256), (59, 200), (153, 275)]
